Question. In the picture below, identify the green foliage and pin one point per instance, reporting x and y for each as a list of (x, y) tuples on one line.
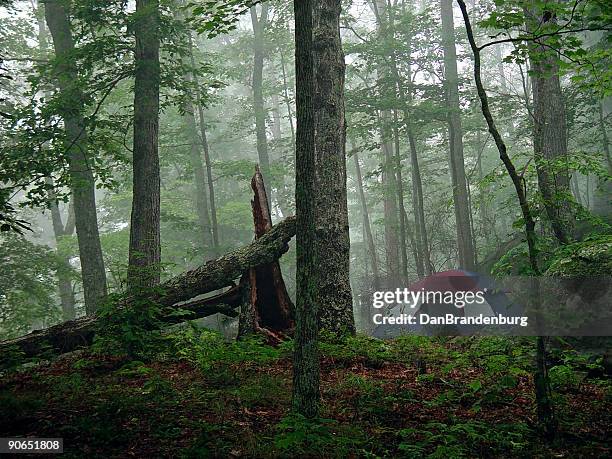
[(591, 257), (563, 377), (132, 329), (298, 436), (372, 350), (462, 439), (205, 348), (27, 274)]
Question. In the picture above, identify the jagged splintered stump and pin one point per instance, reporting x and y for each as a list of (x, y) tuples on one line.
[(266, 306), (264, 294)]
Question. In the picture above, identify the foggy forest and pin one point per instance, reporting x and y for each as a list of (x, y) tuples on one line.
[(210, 211)]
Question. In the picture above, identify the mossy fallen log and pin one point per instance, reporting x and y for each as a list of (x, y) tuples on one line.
[(214, 275)]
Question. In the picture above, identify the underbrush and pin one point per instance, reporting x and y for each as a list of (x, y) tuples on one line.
[(196, 395)]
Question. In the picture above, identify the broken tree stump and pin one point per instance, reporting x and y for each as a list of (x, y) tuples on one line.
[(267, 307)]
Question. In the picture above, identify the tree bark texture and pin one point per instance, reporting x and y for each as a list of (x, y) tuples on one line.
[(306, 372), (331, 215), (83, 184), (145, 245), (549, 130)]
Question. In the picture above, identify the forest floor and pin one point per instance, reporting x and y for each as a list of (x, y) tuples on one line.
[(201, 397)]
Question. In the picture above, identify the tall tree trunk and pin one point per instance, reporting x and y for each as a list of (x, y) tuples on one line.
[(418, 206), (207, 162), (367, 229), (390, 212), (390, 186), (400, 203), (457, 166), (545, 408), (331, 216), (195, 158), (423, 262), (550, 130), (81, 176), (306, 373), (259, 26), (201, 198), (145, 245)]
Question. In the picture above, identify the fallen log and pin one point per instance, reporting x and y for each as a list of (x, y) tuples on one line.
[(214, 275)]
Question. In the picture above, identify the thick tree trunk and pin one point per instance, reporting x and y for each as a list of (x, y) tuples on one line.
[(369, 239), (259, 26), (81, 176), (550, 131), (145, 245), (306, 373), (457, 166), (214, 275), (331, 215)]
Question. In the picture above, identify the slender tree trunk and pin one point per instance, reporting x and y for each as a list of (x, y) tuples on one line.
[(145, 245), (259, 25), (81, 176), (369, 239), (64, 282), (400, 201), (390, 214), (331, 218), (486, 225), (545, 409), (423, 262), (390, 186), (201, 198), (457, 166), (287, 99), (207, 162), (306, 373), (276, 118), (550, 131)]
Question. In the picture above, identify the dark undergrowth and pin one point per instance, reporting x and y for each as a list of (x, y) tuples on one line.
[(413, 397)]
